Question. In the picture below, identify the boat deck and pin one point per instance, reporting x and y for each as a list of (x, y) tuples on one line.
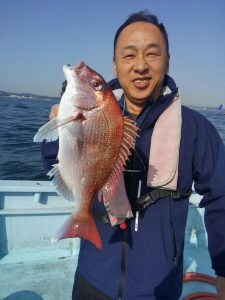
[(37, 274), (33, 268)]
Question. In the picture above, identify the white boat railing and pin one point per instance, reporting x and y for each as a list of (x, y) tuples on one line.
[(26, 206)]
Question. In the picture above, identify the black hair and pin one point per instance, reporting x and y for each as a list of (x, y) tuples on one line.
[(64, 84), (143, 16)]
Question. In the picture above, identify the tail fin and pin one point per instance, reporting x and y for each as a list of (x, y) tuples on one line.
[(83, 228)]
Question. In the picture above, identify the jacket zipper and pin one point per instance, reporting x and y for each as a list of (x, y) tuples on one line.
[(174, 256)]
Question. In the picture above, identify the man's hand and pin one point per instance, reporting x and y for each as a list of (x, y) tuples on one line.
[(220, 286), (54, 111)]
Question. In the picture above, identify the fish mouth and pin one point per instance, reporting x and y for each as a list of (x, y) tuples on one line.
[(79, 67), (80, 93)]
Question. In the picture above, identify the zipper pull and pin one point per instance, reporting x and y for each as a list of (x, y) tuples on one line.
[(137, 212), (136, 221)]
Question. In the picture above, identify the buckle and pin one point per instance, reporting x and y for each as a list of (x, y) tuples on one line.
[(105, 219), (175, 195)]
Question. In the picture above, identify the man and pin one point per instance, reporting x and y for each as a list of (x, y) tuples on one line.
[(144, 261)]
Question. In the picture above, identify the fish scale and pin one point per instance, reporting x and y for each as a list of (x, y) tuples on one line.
[(94, 143)]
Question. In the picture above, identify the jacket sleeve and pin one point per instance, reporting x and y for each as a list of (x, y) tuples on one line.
[(49, 152), (209, 177)]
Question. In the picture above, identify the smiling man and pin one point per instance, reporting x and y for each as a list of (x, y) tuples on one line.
[(141, 60), (176, 147)]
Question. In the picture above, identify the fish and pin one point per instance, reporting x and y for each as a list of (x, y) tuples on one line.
[(95, 140)]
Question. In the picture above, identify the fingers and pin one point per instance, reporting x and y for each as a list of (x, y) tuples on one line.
[(54, 111)]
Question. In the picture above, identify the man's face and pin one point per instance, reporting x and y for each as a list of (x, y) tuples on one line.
[(141, 62)]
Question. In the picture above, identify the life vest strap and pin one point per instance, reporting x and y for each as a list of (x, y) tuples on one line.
[(153, 195)]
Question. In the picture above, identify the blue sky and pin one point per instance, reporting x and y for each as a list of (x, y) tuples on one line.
[(38, 36)]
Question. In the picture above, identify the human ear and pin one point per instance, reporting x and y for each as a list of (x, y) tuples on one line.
[(168, 64), (114, 68)]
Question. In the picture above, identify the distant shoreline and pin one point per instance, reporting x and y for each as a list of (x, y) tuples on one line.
[(26, 96), (42, 97)]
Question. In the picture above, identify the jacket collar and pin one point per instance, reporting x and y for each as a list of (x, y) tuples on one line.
[(144, 121)]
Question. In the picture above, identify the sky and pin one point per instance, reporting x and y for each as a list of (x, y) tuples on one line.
[(37, 37)]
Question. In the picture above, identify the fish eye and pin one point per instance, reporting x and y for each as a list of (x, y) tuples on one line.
[(97, 84)]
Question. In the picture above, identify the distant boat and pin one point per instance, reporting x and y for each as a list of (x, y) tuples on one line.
[(221, 109)]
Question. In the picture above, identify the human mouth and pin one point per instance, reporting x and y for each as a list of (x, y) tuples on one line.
[(141, 83)]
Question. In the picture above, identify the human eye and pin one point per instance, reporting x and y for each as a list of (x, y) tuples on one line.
[(129, 55), (152, 54)]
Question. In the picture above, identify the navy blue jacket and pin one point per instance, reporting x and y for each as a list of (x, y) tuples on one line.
[(154, 254)]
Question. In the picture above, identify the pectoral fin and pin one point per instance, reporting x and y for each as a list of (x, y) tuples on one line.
[(49, 131)]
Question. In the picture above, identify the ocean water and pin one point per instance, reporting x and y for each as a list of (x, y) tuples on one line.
[(20, 158), (20, 119)]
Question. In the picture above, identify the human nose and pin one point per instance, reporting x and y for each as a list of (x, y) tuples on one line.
[(141, 64)]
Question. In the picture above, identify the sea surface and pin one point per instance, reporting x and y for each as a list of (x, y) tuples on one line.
[(20, 118)]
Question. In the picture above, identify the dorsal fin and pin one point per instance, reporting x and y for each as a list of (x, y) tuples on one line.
[(128, 142)]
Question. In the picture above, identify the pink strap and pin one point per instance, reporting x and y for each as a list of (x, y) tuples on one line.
[(119, 206), (164, 151)]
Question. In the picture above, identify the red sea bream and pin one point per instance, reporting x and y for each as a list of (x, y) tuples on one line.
[(94, 143)]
